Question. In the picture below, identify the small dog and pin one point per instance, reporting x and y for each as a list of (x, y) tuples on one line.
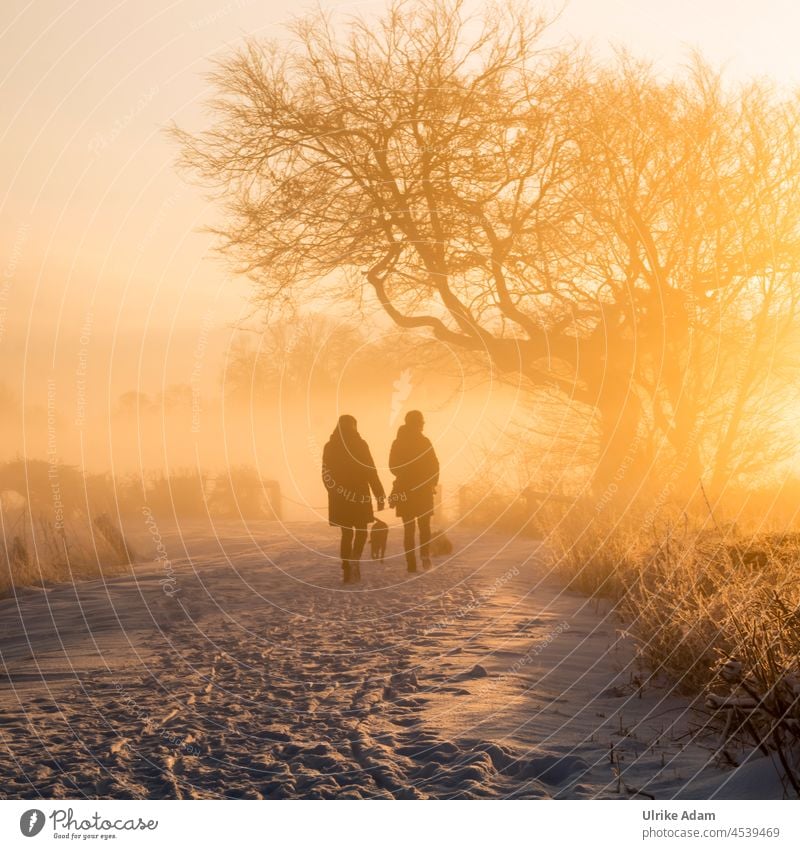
[(378, 537), (440, 544)]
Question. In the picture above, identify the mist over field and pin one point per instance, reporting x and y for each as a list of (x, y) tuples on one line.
[(400, 400), (234, 397)]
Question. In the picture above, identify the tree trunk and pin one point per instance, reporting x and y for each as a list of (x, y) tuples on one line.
[(624, 460), (686, 471)]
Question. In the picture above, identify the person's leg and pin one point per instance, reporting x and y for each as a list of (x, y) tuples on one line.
[(346, 550), (408, 544), (358, 549), (425, 539), (346, 547)]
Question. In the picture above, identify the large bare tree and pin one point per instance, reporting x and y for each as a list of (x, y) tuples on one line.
[(611, 235)]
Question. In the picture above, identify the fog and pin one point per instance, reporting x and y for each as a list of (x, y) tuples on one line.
[(225, 397)]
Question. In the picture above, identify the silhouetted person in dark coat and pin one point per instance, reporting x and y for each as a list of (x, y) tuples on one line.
[(348, 472), (415, 466)]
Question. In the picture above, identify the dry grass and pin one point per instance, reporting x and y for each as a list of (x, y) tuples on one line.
[(38, 552), (58, 523), (717, 611)]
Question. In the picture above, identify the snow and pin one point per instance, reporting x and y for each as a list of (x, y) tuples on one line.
[(252, 672)]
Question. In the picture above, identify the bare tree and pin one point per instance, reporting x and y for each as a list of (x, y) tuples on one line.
[(591, 228)]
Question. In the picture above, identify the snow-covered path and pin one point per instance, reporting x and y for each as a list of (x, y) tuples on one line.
[(257, 674)]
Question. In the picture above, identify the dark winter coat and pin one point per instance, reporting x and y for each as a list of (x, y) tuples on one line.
[(348, 472), (415, 466)]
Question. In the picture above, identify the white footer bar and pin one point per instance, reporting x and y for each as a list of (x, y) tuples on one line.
[(406, 825)]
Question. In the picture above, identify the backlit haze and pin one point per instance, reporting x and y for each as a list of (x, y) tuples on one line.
[(108, 284)]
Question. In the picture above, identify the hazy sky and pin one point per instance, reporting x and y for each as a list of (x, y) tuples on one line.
[(99, 232)]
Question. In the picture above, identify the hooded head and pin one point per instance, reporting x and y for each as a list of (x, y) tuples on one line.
[(346, 428), (415, 421)]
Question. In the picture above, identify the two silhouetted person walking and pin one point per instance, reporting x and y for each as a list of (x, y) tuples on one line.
[(350, 476), (415, 466)]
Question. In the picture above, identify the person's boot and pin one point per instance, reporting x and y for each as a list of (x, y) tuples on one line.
[(347, 573), (356, 572), (426, 563), (411, 563)]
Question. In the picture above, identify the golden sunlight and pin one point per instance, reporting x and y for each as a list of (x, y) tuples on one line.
[(400, 401)]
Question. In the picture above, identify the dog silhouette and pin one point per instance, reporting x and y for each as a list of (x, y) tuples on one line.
[(378, 537)]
